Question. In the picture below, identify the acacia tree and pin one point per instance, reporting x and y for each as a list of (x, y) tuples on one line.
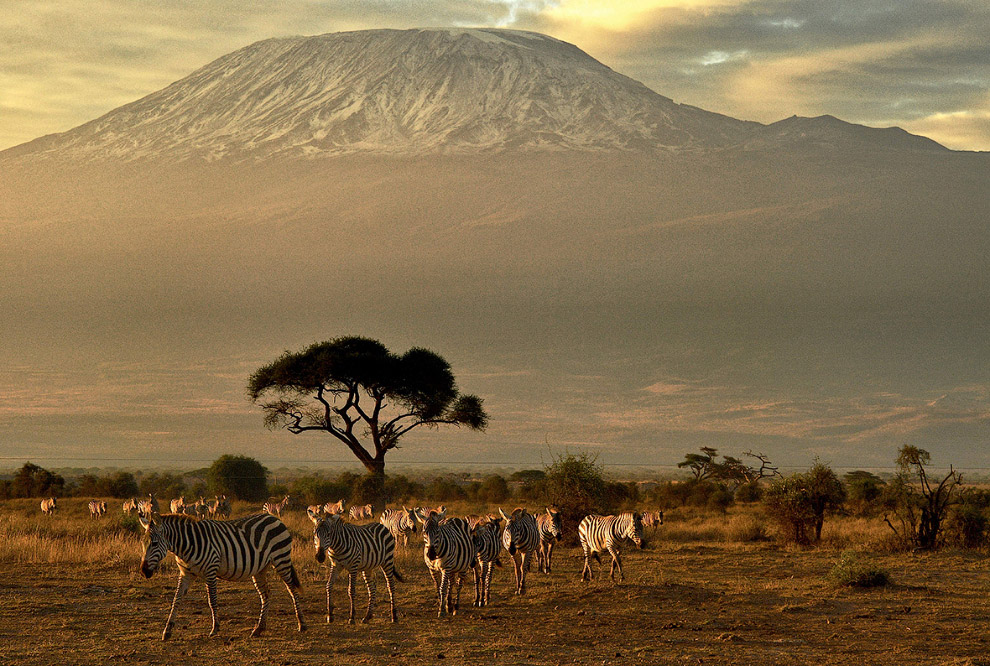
[(355, 389)]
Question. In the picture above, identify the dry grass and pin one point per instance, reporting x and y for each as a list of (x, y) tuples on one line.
[(702, 592)]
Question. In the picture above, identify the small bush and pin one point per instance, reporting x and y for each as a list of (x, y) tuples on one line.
[(746, 529), (855, 570)]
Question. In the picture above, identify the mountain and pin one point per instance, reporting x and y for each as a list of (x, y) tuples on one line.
[(414, 92), (395, 91), (611, 270)]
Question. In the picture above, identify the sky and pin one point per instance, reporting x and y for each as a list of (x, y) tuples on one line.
[(922, 65)]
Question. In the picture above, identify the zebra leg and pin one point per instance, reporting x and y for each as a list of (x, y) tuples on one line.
[(330, 581), (457, 594), (436, 581), (295, 607), (616, 563), (548, 556), (586, 572), (390, 585), (444, 592), (211, 596), (261, 584), (486, 591), (517, 568), (478, 570), (351, 579), (524, 568), (180, 591), (370, 582)]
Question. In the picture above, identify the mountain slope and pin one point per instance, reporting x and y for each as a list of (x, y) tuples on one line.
[(394, 91)]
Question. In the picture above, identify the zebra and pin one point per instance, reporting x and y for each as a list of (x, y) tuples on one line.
[(177, 505), (653, 519), (48, 506), (449, 553), (130, 505), (487, 537), (399, 522), (600, 533), (202, 509), (356, 548), (97, 508), (551, 530), (522, 539), (362, 512), (276, 508), (148, 506), (222, 509), (333, 508), (233, 550)]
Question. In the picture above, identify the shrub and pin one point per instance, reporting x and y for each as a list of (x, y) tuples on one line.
[(747, 493), (576, 485), (443, 489), (238, 477), (493, 489), (855, 570), (800, 503)]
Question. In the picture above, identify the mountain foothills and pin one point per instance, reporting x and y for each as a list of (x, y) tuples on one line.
[(610, 269)]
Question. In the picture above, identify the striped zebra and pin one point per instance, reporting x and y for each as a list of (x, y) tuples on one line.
[(487, 537), (601, 533), (551, 530), (354, 549), (365, 512), (449, 553), (177, 504), (48, 506), (222, 509), (214, 550), (399, 523), (522, 539), (130, 505), (653, 519), (276, 508), (97, 508), (148, 506), (334, 508)]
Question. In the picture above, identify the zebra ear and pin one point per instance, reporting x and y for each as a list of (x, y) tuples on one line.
[(502, 513), (146, 521), (418, 512), (314, 516)]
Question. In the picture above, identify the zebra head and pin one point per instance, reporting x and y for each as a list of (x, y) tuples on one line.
[(407, 521), (634, 531), (431, 529), (555, 527), (326, 527), (155, 544), (513, 531)]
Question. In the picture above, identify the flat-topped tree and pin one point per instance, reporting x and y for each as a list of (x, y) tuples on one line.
[(364, 395)]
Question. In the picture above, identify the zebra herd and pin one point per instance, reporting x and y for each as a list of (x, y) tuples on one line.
[(242, 549)]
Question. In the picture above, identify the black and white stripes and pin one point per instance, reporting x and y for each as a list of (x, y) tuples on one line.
[(233, 550), (522, 539), (601, 533), (449, 553), (551, 530), (399, 523), (356, 549)]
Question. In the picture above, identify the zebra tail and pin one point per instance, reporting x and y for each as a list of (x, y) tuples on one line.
[(397, 575), (293, 578)]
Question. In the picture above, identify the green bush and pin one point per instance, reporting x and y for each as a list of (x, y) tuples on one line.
[(800, 503), (855, 570), (238, 477)]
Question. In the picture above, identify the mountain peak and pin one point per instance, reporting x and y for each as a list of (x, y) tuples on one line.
[(395, 91)]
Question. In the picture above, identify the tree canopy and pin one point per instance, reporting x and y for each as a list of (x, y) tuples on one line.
[(239, 477), (355, 388)]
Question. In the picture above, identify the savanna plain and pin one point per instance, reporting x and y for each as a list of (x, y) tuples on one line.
[(706, 589)]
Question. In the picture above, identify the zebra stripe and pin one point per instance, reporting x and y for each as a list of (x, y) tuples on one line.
[(487, 537), (276, 508), (399, 523), (449, 553), (522, 539), (356, 548), (551, 530), (333, 508), (233, 550), (130, 505), (97, 508), (362, 512), (601, 533)]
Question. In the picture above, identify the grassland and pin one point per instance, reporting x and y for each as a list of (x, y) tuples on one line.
[(703, 591)]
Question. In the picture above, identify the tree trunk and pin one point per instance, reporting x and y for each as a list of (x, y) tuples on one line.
[(376, 472)]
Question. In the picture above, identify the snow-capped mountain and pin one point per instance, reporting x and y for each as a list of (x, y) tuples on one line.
[(395, 91)]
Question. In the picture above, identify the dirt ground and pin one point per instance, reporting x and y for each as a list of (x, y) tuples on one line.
[(691, 603)]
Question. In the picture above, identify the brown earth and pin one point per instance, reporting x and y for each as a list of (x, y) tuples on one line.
[(693, 602)]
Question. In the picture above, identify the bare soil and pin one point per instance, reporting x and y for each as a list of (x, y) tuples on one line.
[(692, 603)]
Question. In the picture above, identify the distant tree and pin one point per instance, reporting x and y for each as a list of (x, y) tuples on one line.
[(800, 502), (238, 477), (493, 489), (34, 481), (576, 485), (730, 471), (920, 507), (165, 485), (120, 485), (362, 394), (864, 491)]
